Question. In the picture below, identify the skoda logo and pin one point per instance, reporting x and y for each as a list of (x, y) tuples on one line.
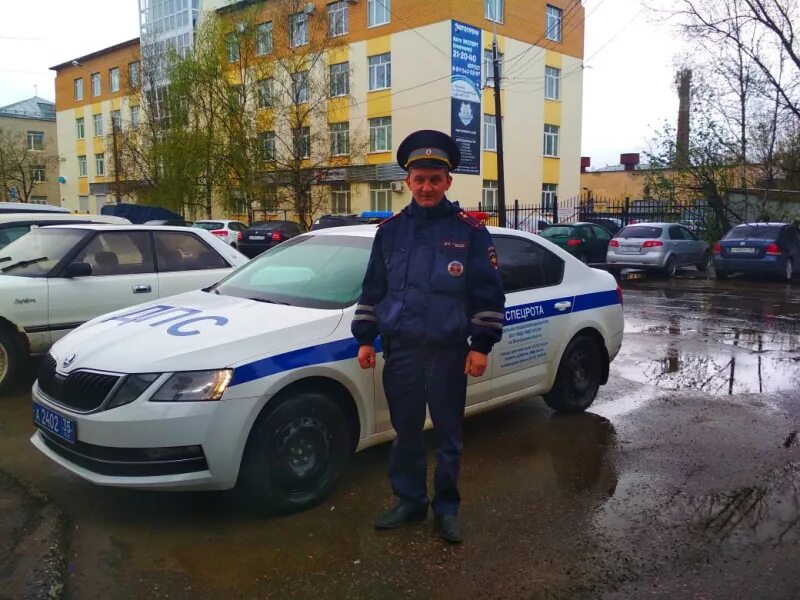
[(68, 360)]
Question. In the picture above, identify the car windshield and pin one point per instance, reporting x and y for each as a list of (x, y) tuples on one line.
[(209, 225), (27, 251), (640, 232), (557, 232), (754, 232), (324, 271)]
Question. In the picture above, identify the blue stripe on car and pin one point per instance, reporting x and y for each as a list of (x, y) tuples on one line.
[(348, 348)]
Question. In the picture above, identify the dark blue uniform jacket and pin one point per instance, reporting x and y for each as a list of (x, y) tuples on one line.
[(432, 279)]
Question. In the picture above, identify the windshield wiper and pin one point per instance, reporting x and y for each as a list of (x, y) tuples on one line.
[(23, 263), (270, 301), (5, 259)]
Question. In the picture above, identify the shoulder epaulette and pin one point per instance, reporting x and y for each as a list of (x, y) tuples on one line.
[(470, 220), (385, 221)]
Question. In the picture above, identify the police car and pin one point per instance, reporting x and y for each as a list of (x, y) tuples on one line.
[(254, 380)]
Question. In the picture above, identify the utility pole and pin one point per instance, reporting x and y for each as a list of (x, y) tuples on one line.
[(498, 116)]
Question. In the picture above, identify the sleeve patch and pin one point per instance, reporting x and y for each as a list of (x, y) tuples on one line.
[(470, 220), (493, 257)]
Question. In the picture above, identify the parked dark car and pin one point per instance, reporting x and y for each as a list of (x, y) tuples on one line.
[(611, 224), (586, 241), (326, 221), (263, 235), (169, 222), (769, 248)]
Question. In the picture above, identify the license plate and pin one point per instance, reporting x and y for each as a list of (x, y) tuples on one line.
[(742, 250), (257, 237), (629, 249), (53, 422)]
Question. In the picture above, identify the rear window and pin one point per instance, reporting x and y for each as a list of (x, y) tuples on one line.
[(209, 225), (556, 231), (640, 232), (754, 232), (266, 225)]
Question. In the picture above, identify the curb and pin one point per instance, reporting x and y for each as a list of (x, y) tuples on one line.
[(33, 567)]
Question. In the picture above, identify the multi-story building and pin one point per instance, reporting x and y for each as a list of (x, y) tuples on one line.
[(35, 118), (93, 101)]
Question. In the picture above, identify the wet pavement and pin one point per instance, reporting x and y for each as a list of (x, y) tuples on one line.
[(682, 480)]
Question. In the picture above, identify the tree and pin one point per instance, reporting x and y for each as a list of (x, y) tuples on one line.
[(21, 166)]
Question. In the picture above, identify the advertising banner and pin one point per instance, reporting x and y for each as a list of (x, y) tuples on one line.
[(465, 95)]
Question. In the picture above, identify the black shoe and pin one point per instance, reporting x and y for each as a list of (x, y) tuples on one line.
[(400, 515), (449, 528)]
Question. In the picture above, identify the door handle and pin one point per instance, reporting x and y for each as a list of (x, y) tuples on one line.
[(142, 289), (562, 306)]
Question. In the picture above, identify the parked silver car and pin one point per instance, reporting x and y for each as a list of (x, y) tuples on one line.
[(663, 246)]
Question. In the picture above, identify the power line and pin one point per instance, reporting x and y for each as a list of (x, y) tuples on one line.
[(414, 29)]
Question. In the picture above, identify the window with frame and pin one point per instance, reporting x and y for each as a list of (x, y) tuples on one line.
[(490, 132), (551, 140), (77, 88), (489, 195), (38, 174), (552, 83), (113, 79), (340, 139), (493, 10), (525, 265), (378, 12), (264, 38), (80, 128), (549, 195), (302, 142), (232, 47), (380, 71), (116, 120), (380, 196), (265, 88), (235, 98), (300, 87), (338, 18), (96, 84), (553, 18), (340, 79), (266, 145), (178, 251), (134, 75), (98, 124), (35, 140), (380, 134), (82, 170), (298, 27), (135, 116), (601, 233), (340, 199), (118, 253), (100, 164), (488, 65)]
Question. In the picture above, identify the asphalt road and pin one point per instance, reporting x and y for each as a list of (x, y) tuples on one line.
[(683, 480)]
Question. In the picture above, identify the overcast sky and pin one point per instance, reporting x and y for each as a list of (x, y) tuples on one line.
[(628, 80)]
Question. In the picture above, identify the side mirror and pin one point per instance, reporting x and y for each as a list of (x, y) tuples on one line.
[(78, 269)]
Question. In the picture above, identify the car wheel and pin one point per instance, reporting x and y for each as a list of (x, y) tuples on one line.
[(296, 453), (578, 378), (705, 263), (671, 266), (11, 356)]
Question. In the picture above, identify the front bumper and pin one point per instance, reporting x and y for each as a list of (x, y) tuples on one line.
[(150, 445)]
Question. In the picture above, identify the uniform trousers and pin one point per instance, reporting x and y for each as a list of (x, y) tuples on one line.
[(415, 376)]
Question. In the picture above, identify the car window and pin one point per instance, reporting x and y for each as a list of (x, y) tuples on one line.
[(687, 234), (675, 233), (236, 226), (36, 254), (177, 251), (586, 231), (118, 253), (600, 233), (640, 232), (754, 232), (9, 234), (525, 265), (209, 225), (556, 231)]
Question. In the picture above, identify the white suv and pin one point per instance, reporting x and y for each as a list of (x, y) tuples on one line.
[(255, 379)]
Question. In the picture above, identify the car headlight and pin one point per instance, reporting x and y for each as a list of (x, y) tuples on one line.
[(194, 386), (133, 387)]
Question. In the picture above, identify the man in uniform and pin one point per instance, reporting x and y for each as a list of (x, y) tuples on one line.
[(433, 293)]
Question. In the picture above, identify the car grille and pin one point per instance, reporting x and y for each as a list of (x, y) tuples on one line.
[(82, 391)]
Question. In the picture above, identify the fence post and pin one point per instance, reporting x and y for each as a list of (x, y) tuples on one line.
[(626, 209), (555, 209), (516, 213)]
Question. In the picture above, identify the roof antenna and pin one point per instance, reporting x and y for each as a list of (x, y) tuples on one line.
[(35, 90)]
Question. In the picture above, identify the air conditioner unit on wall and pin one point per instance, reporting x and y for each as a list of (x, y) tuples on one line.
[(309, 8), (397, 186)]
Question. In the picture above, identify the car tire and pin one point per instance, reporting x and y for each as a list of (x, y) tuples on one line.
[(296, 453), (705, 263), (11, 358), (579, 376), (671, 266)]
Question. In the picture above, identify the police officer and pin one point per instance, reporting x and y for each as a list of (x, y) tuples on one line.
[(433, 294)]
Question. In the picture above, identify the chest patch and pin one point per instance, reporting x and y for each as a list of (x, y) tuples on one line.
[(455, 268), (454, 245)]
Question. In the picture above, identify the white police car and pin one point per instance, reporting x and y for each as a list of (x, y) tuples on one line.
[(254, 380)]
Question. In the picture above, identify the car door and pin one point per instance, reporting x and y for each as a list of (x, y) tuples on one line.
[(123, 274), (677, 245), (602, 237), (185, 262), (696, 247), (531, 276), (586, 234)]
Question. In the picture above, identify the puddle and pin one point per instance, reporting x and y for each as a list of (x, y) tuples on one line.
[(767, 513)]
